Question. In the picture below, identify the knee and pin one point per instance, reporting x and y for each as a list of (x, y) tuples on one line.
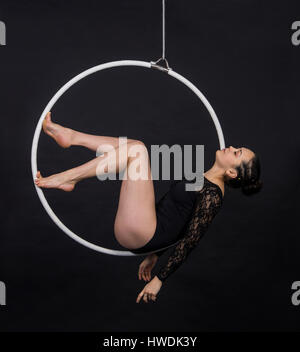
[(136, 142), (137, 146), (138, 150)]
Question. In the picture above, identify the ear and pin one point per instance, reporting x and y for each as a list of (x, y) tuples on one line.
[(231, 173)]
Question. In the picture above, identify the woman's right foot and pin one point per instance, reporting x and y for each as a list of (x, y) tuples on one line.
[(58, 181), (62, 135)]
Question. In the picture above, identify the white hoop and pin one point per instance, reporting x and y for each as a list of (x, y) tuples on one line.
[(49, 106)]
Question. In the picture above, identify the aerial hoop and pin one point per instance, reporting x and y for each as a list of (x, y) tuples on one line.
[(54, 99)]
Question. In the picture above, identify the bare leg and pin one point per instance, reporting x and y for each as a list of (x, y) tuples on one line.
[(67, 180), (135, 221), (66, 137)]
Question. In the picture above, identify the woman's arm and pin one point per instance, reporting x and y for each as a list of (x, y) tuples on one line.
[(206, 207)]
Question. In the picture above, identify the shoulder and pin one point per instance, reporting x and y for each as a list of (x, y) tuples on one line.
[(210, 195)]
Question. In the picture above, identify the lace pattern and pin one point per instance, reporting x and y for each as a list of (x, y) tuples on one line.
[(207, 205)]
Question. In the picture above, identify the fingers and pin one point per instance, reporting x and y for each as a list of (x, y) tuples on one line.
[(145, 276), (147, 297), (141, 271), (139, 297), (153, 297), (144, 273)]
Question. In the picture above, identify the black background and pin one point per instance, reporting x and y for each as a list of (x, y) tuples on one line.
[(240, 55)]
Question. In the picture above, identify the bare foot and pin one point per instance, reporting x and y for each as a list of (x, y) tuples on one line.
[(54, 181), (62, 135)]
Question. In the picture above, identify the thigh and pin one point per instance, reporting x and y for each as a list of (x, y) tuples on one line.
[(135, 221)]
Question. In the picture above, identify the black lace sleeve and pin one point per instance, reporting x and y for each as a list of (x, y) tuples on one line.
[(207, 204)]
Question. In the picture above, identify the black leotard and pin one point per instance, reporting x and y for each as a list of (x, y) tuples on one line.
[(182, 216)]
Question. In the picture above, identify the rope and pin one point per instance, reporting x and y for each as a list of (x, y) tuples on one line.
[(155, 64), (163, 29)]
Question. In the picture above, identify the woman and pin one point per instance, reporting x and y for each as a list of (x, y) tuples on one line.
[(141, 225)]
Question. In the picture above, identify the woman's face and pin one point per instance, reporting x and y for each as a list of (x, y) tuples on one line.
[(229, 158)]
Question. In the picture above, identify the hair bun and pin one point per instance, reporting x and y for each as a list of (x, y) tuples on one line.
[(252, 187)]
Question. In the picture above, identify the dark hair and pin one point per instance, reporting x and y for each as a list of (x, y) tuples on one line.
[(247, 177)]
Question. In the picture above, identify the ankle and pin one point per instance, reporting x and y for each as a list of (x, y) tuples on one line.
[(69, 176), (73, 137)]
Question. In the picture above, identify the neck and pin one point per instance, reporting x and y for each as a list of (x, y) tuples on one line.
[(215, 174)]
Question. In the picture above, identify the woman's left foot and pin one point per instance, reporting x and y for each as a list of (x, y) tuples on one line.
[(62, 135), (54, 181)]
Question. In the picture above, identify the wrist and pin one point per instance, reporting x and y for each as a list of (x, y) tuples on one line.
[(156, 277)]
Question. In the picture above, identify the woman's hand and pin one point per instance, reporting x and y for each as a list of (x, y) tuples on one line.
[(146, 266), (150, 291)]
